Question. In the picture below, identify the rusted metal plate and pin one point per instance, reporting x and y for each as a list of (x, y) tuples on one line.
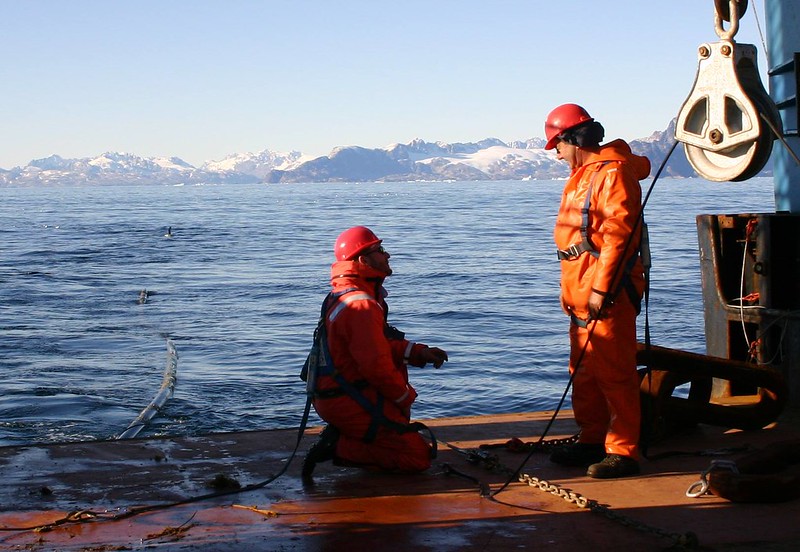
[(351, 509)]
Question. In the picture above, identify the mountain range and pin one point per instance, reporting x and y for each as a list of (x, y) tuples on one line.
[(489, 159)]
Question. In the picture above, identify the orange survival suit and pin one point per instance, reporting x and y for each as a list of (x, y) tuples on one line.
[(605, 393), (372, 356)]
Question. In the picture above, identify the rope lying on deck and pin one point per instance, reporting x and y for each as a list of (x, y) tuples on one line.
[(164, 393)]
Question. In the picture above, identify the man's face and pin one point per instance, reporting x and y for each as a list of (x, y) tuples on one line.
[(568, 153), (378, 258)]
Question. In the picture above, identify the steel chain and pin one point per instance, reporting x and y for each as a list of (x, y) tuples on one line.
[(686, 540), (492, 462), (549, 444), (545, 445)]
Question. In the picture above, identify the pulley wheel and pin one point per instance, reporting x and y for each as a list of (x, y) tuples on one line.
[(722, 166), (746, 160), (741, 162), (765, 140)]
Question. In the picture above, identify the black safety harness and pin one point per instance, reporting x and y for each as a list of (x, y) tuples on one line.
[(585, 246), (320, 363)]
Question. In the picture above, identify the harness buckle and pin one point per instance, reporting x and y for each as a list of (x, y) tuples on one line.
[(572, 252)]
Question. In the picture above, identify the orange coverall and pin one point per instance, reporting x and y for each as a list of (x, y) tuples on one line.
[(362, 352), (605, 392)]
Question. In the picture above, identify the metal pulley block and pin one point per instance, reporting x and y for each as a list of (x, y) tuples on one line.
[(720, 123), (726, 124)]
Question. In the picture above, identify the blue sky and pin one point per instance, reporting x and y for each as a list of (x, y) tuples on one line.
[(203, 79)]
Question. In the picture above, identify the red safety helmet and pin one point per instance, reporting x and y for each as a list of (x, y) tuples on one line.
[(353, 241), (562, 118)]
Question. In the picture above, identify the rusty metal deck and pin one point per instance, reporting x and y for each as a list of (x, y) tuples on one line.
[(353, 509)]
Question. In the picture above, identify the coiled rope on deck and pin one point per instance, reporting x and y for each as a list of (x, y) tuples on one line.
[(164, 393)]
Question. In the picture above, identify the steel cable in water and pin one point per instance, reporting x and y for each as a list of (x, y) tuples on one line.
[(164, 393)]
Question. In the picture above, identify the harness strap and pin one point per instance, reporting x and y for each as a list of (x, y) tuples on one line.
[(338, 391), (353, 389), (342, 304), (577, 249), (626, 282), (580, 322), (377, 415)]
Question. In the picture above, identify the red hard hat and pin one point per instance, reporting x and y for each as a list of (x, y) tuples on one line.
[(353, 241), (562, 118)]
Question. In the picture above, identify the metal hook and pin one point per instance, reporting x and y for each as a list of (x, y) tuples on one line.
[(733, 12), (701, 487)]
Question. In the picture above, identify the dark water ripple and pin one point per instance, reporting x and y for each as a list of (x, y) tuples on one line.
[(238, 286)]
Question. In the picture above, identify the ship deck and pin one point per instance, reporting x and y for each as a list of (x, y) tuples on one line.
[(346, 508)]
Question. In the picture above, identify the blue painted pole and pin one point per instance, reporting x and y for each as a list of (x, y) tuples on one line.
[(783, 43)]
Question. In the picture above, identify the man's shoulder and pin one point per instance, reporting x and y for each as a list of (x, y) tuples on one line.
[(355, 300)]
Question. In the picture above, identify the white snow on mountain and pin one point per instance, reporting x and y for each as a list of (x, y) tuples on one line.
[(489, 159), (257, 164), (173, 163)]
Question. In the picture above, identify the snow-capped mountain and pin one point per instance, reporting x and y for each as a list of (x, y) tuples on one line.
[(489, 159), (118, 168), (256, 164), (657, 146)]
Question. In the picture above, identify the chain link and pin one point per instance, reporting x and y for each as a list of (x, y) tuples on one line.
[(492, 463), (685, 540), (518, 445), (701, 487)]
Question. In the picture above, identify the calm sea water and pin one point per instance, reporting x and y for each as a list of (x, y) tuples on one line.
[(238, 286)]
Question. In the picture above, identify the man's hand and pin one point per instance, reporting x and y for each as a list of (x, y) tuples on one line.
[(595, 304), (435, 356)]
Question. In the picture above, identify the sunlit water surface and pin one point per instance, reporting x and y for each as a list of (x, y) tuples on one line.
[(238, 286)]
